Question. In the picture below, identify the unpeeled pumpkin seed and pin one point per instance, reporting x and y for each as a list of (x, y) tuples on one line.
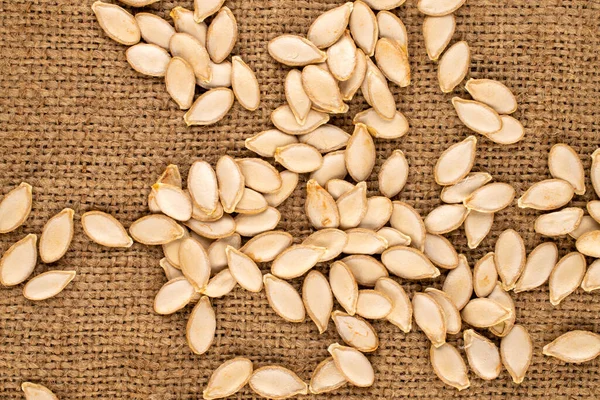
[(429, 316), (333, 167), (296, 97), (173, 296), (392, 60), (289, 181), (392, 27), (220, 284), (566, 276), (210, 107), (595, 171), (201, 326), (295, 51), (172, 201), (483, 355), (477, 226), (371, 67), (516, 350), (459, 283), (104, 229), (296, 260), (349, 87), (511, 132), (451, 313), (191, 50), (343, 286), (560, 222), (217, 229), (326, 138), (437, 33), (328, 27), (363, 26), (485, 275), (439, 7), (299, 157), (56, 236), (548, 194), (382, 99), (502, 297), (148, 59), (221, 36), (574, 347), (332, 239), (384, 4), (33, 391), (587, 224), (539, 265), (484, 313), (284, 299), (445, 218), (461, 190), (493, 93), (180, 82), (394, 237), (379, 211), (155, 229), (275, 382), (491, 198), (440, 251), (401, 313), (591, 280), (455, 162), (408, 221), (365, 269), (229, 378), (326, 377), (194, 263), (47, 284), (220, 76), (589, 244), (322, 89), (117, 23), (317, 299), (454, 66), (593, 208), (259, 175), (170, 271), (352, 206), (253, 224), (364, 241), (337, 187), (184, 23), (320, 208), (393, 174), (154, 29), (449, 366), (477, 116), (230, 182), (360, 153), (341, 58), (285, 120), (216, 251), (15, 208), (351, 363), (205, 8), (356, 332), (244, 270), (266, 246), (565, 164), (509, 257), (251, 202)]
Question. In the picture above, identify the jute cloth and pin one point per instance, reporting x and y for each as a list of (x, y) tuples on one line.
[(88, 132)]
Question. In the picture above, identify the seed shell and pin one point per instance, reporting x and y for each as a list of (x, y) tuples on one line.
[(587, 224), (148, 59), (360, 153), (356, 332), (477, 116), (454, 66), (244, 84), (539, 265), (392, 27), (394, 237), (493, 93), (275, 382), (56, 236), (220, 284), (117, 23), (221, 37), (320, 208), (317, 299), (47, 284), (401, 313), (328, 27), (509, 257), (574, 347), (343, 286), (326, 138), (105, 230), (349, 87), (229, 378), (559, 223), (372, 304), (205, 8), (516, 350), (154, 29), (591, 280), (548, 194), (408, 221), (352, 206), (379, 211), (296, 260), (477, 226), (511, 132), (173, 296), (484, 313), (326, 377), (491, 198), (437, 33), (483, 355), (230, 182), (449, 366), (439, 7), (334, 167), (451, 313), (440, 251), (299, 157), (566, 276), (284, 299), (295, 51), (180, 82), (244, 270), (184, 23), (355, 367), (33, 391), (15, 208), (285, 120), (341, 58), (289, 181), (332, 239), (429, 316), (392, 60), (201, 326), (565, 164), (393, 174), (259, 175), (461, 190), (191, 50), (365, 269), (210, 107), (172, 201), (455, 162), (502, 297), (445, 218), (363, 26), (485, 275)]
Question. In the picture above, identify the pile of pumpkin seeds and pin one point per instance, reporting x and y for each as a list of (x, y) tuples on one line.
[(216, 229)]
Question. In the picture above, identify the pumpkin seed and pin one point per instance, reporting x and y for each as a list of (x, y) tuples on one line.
[(199, 215), (220, 228), (360, 153), (593, 207), (384, 4), (201, 326), (266, 246), (184, 23), (210, 107), (299, 157), (595, 171), (587, 224), (449, 366), (365, 269), (509, 257), (251, 202), (284, 299), (382, 99), (173, 201), (548, 194), (352, 206), (393, 174), (320, 208), (502, 297), (244, 270), (205, 8), (191, 50), (216, 251), (356, 332), (483, 355), (371, 67), (439, 8), (220, 284), (228, 379), (382, 128), (117, 23), (56, 236), (392, 27), (259, 175), (47, 284), (574, 347), (333, 240), (152, 206), (180, 82), (363, 26), (459, 283), (440, 251), (455, 162), (540, 263), (333, 167), (329, 26), (104, 229), (392, 60), (154, 29), (171, 176), (204, 242), (379, 211), (490, 198), (343, 286), (275, 382), (477, 116), (559, 223), (195, 263), (401, 313), (148, 59), (33, 391), (353, 364), (341, 58), (230, 182), (446, 218), (477, 226), (511, 132), (429, 316), (565, 164), (484, 313), (15, 208), (326, 138), (451, 313), (493, 93), (349, 87), (408, 221), (394, 237), (173, 296), (221, 76), (485, 275), (296, 260), (244, 84), (588, 244), (437, 33), (337, 187), (317, 299), (170, 271), (322, 89), (296, 97), (221, 37), (566, 276), (453, 67), (326, 377), (516, 350), (295, 51), (289, 181), (155, 229), (364, 241), (591, 280), (253, 224), (461, 190), (283, 118)]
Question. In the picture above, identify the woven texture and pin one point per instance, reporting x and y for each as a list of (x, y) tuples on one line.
[(88, 132)]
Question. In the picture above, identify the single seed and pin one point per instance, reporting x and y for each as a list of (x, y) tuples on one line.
[(393, 174), (445, 218), (485, 275), (253, 224), (326, 377), (299, 157), (251, 202), (33, 391), (173, 201), (408, 221), (210, 107), (15, 208), (244, 84), (477, 226), (333, 167), (201, 326), (449, 366), (593, 207), (275, 382), (384, 4), (341, 58), (540, 263), (459, 283), (173, 296), (455, 162), (266, 246), (220, 77), (155, 229), (382, 128), (509, 257), (284, 299), (574, 347), (493, 93), (490, 198), (329, 26), (439, 7), (322, 89), (295, 51), (350, 86), (56, 236), (392, 27), (363, 26), (511, 132), (216, 251), (221, 37), (337, 187), (566, 276), (171, 176), (259, 175), (228, 379), (296, 97), (364, 241), (565, 164), (454, 66), (516, 350), (502, 297), (220, 284), (195, 263), (483, 355), (180, 82), (484, 313), (317, 299), (296, 260), (559, 223), (429, 316), (437, 33), (326, 138), (117, 23), (382, 99), (360, 154), (320, 208), (283, 118), (451, 313), (356, 332), (355, 367), (379, 211), (47, 285), (587, 224), (477, 116), (343, 286), (440, 251), (548, 194), (289, 181), (148, 59), (371, 67), (184, 23), (154, 29), (461, 190), (222, 227), (244, 270), (104, 229), (394, 237), (365, 269), (392, 60), (589, 244), (352, 206), (401, 313), (206, 8), (170, 271), (332, 239), (191, 50), (591, 280)]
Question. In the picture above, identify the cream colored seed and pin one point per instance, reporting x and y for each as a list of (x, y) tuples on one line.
[(328, 27), (343, 286), (356, 332), (591, 280), (538, 267), (317, 299), (326, 138), (148, 59), (320, 208), (229, 378), (393, 174), (491, 198), (191, 50), (455, 162), (217, 229), (363, 26), (589, 244), (371, 67), (502, 297), (454, 66), (251, 202), (295, 51), (483, 355), (244, 84), (201, 326), (275, 382), (154, 29), (440, 251), (285, 120), (401, 313), (210, 107), (593, 208), (170, 271), (477, 226), (439, 7), (266, 246), (459, 283), (451, 313), (15, 208), (511, 132), (296, 97), (155, 229), (559, 223), (341, 58), (392, 27), (172, 201), (477, 116), (171, 176), (220, 284), (365, 269), (574, 347), (337, 187), (289, 181), (587, 224), (349, 87), (360, 153), (565, 164), (296, 260), (408, 221), (180, 82), (516, 350), (117, 23), (382, 99), (364, 241), (205, 8), (184, 23), (230, 182), (216, 251), (195, 263), (429, 316), (394, 237), (244, 270), (446, 218), (595, 171), (461, 190), (253, 224), (484, 313), (334, 167), (352, 206), (437, 33), (509, 257), (322, 89), (332, 239), (493, 93), (392, 60), (548, 194), (566, 276), (284, 299), (259, 175), (449, 366), (379, 211), (104, 229), (56, 236), (326, 377), (355, 367), (220, 77), (299, 157), (221, 36), (485, 275), (384, 4), (47, 284), (33, 391), (173, 296), (382, 128)]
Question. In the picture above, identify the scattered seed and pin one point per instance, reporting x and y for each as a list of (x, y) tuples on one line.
[(47, 284), (356, 332), (33, 391), (401, 313), (559, 223), (295, 51), (540, 263), (393, 174), (329, 26), (371, 67), (210, 107), (449, 366), (379, 211), (438, 8), (173, 201), (171, 176), (382, 99), (117, 23), (220, 284), (408, 221), (341, 58), (284, 299), (455, 162), (322, 89), (180, 82), (363, 26), (283, 118), (392, 60), (509, 257), (326, 377), (459, 283), (333, 240), (228, 379), (296, 97), (266, 246), (201, 326), (483, 355), (56, 236), (437, 33), (191, 50), (216, 251), (333, 167), (296, 260), (320, 207), (170, 271), (484, 313), (221, 37), (574, 347), (343, 286), (485, 275), (338, 187), (352, 206), (382, 128), (493, 93), (587, 224), (365, 269), (461, 190), (477, 226), (593, 207), (360, 154), (154, 29), (195, 263), (392, 27), (451, 313), (155, 229), (326, 138), (220, 78), (244, 270), (548, 194), (490, 198), (253, 224), (453, 67), (511, 132), (173, 296), (446, 218), (394, 237), (230, 182), (502, 297), (205, 8), (349, 87), (259, 175), (516, 350), (351, 363), (595, 171), (184, 23), (477, 116), (275, 382), (15, 208), (589, 244), (591, 280), (317, 299), (566, 276), (440, 251), (244, 83), (289, 181), (565, 164), (429, 316), (251, 202), (299, 157), (104, 229), (384, 4)]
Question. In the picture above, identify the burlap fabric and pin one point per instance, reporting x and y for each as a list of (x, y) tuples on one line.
[(88, 132)]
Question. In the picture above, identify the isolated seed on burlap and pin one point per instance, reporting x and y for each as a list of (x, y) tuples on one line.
[(477, 116), (455, 162), (566, 276), (449, 366), (516, 350), (485, 275), (454, 66), (459, 283), (483, 355), (47, 284), (356, 332), (34, 391), (351, 363), (56, 236), (326, 377), (15, 207), (548, 194), (509, 256), (184, 23), (275, 382), (565, 164), (180, 82), (429, 316), (117, 23), (229, 378), (591, 280), (295, 51), (484, 313), (408, 221), (105, 230), (201, 326), (365, 269), (437, 33), (343, 286), (393, 174), (574, 347), (244, 84)]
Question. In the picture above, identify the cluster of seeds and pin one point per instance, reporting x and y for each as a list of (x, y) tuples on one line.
[(189, 54)]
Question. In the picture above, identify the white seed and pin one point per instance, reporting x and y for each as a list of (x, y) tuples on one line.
[(15, 208), (392, 60), (355, 367), (337, 187), (379, 211), (477, 226), (591, 280), (295, 51), (595, 171), (326, 138), (216, 251), (154, 29), (284, 299), (440, 251), (477, 116), (559, 223), (455, 162), (184, 23), (173, 296), (343, 286), (484, 313), (349, 87), (229, 378), (540, 263), (180, 82), (593, 207), (220, 77), (173, 201), (56, 236), (401, 313), (289, 181), (200, 215), (259, 175), (587, 224), (333, 167), (365, 269), (371, 67), (148, 59), (393, 174), (220, 284), (244, 270), (439, 7), (384, 4), (48, 284), (333, 240), (210, 107), (502, 297), (511, 132), (574, 347), (230, 182), (548, 194), (352, 206), (459, 283), (454, 66), (191, 50), (201, 326), (429, 316), (33, 391), (266, 246), (326, 377), (392, 27), (251, 202), (117, 23), (195, 263), (320, 208), (509, 257), (363, 26), (364, 241), (589, 244), (382, 128), (341, 58), (516, 350), (170, 271), (360, 153), (171, 250), (566, 276), (490, 198), (408, 221), (155, 229), (565, 164), (299, 157), (449, 366), (275, 382), (221, 36), (206, 8), (381, 97), (253, 224), (493, 93), (284, 119), (356, 332), (394, 237), (104, 229), (461, 190), (485, 275), (451, 313), (445, 218), (317, 299), (437, 33), (483, 355), (329, 26), (322, 89), (296, 260), (244, 84), (296, 97), (222, 227)]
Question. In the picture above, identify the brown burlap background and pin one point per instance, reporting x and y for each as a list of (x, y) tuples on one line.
[(88, 132)]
